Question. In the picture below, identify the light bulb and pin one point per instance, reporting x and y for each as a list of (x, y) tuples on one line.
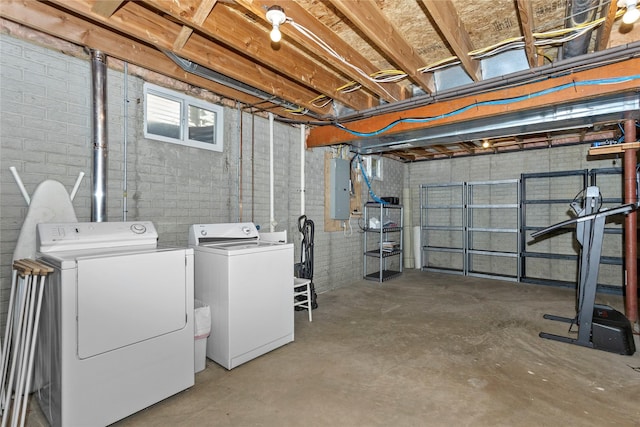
[(275, 34), (631, 15), (276, 17)]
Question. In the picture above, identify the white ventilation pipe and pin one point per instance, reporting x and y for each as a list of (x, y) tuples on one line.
[(125, 131), (303, 135), (407, 229), (272, 219)]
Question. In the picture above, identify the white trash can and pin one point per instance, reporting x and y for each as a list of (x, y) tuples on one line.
[(202, 329)]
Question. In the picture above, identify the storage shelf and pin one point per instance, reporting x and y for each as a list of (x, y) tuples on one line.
[(384, 230), (481, 214), (384, 244), (386, 275), (377, 254)]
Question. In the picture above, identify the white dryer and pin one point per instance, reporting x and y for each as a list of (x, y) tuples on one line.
[(248, 284), (116, 332)]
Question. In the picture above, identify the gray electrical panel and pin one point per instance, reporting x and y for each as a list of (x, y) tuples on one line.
[(339, 200)]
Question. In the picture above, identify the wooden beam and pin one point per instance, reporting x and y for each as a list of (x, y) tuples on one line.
[(47, 19), (106, 8), (390, 92), (604, 32), (148, 27), (182, 39), (446, 18), (202, 11), (525, 16), (235, 31), (368, 19), (329, 135), (614, 148)]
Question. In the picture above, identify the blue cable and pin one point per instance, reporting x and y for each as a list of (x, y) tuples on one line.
[(494, 102), (371, 193)]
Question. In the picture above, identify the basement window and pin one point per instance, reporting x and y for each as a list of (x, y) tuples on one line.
[(181, 119), (373, 167)]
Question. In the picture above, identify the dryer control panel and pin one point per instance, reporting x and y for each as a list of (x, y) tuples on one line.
[(54, 237), (208, 233)]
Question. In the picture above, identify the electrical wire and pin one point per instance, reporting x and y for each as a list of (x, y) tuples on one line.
[(366, 180), (327, 48), (543, 39), (504, 101)]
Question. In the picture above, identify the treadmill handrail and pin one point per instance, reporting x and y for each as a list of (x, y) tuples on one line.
[(613, 211)]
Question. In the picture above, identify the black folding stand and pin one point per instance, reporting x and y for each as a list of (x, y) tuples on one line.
[(599, 326)]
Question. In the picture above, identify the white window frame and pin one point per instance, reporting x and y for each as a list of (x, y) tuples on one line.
[(185, 102), (373, 167)]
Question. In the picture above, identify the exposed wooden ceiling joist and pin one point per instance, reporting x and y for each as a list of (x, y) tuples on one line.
[(335, 54), (106, 8), (162, 33), (445, 17), (328, 135), (49, 20), (201, 13), (390, 92), (525, 15), (370, 21), (254, 41)]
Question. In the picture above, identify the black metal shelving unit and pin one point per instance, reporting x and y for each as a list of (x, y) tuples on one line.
[(385, 249)]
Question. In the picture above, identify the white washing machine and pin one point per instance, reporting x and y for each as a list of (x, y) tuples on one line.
[(116, 329), (248, 284)]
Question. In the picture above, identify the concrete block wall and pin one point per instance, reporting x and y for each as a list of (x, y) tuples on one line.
[(45, 132), (511, 166)]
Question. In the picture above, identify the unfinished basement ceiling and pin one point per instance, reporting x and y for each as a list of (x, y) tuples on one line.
[(341, 61)]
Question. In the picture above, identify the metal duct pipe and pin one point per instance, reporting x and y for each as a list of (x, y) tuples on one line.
[(631, 225), (579, 12), (608, 56), (99, 136)]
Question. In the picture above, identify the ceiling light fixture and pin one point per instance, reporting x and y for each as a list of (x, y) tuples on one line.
[(632, 14), (276, 17)]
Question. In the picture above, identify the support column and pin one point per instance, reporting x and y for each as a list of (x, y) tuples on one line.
[(631, 226)]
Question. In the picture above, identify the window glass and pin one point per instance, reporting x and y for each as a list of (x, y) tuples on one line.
[(181, 119), (163, 116), (202, 123)]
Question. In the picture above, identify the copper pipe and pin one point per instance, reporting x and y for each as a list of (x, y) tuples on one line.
[(631, 225)]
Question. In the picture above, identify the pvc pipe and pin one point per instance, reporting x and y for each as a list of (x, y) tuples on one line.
[(303, 135), (417, 248), (23, 190), (407, 229), (272, 219), (240, 142), (125, 127), (631, 225)]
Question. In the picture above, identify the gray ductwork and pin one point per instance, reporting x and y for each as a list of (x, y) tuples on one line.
[(214, 76), (99, 136), (579, 12)]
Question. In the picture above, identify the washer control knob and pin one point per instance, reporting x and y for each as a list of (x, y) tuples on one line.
[(203, 232), (246, 230), (138, 228)]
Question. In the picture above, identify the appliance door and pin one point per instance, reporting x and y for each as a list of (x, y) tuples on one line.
[(260, 301), (128, 298)]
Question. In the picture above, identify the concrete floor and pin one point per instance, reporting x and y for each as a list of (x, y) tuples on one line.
[(424, 349)]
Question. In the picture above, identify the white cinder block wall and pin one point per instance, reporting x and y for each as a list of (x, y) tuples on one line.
[(511, 166), (45, 132)]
